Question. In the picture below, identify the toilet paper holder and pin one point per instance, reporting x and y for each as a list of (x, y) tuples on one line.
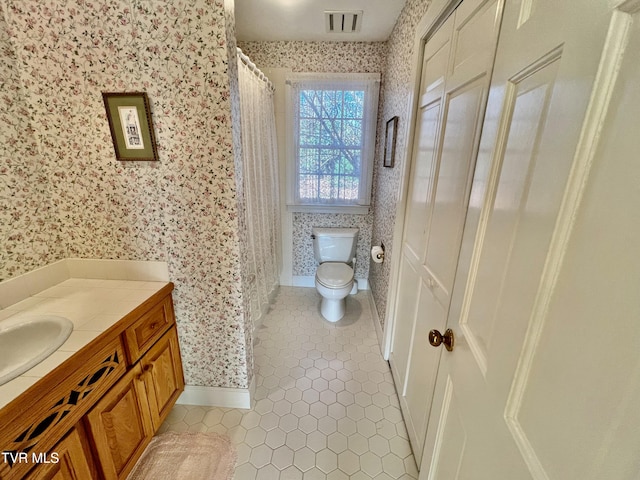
[(377, 253)]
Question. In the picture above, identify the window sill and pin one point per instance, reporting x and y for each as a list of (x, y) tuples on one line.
[(349, 209)]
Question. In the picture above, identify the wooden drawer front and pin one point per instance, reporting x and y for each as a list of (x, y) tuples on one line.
[(119, 426), (37, 426), (163, 376), (148, 329)]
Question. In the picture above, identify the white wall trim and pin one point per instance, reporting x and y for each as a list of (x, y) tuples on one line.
[(303, 281), (347, 209), (218, 396), (376, 323), (310, 282)]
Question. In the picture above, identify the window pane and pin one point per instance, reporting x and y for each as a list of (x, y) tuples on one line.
[(327, 156), (326, 187), (331, 142), (347, 164), (308, 187), (352, 133), (309, 132), (355, 157), (350, 188), (354, 104), (331, 103), (308, 160), (310, 103), (327, 133)]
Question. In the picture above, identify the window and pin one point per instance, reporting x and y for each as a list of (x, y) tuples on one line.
[(332, 125)]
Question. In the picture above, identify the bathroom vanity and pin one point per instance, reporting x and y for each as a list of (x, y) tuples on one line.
[(93, 415)]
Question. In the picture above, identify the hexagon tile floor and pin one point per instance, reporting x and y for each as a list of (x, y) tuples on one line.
[(326, 406)]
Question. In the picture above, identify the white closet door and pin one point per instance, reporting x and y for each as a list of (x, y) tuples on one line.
[(544, 379), (456, 71)]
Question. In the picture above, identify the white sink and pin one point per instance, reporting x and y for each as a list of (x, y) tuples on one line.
[(26, 341)]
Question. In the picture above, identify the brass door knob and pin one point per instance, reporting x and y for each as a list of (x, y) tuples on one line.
[(436, 339)]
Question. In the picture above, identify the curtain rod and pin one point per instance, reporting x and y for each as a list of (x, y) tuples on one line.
[(252, 66)]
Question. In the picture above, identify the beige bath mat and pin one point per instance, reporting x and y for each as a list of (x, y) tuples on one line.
[(186, 456)]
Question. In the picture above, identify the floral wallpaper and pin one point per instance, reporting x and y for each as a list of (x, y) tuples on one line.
[(398, 87), (29, 234), (183, 209), (334, 57)]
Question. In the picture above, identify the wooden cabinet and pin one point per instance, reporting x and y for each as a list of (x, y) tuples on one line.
[(70, 459), (119, 426), (40, 418), (122, 424), (97, 412), (163, 379)]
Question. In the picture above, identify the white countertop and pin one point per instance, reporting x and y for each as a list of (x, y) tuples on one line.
[(92, 306)]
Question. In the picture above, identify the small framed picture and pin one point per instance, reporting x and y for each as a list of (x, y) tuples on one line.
[(390, 142), (130, 123)]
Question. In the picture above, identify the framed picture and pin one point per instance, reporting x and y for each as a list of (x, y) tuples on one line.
[(390, 143), (131, 127)]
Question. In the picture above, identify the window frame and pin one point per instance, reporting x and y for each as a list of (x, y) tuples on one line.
[(370, 83)]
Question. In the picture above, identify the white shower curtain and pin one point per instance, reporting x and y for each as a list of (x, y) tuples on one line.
[(260, 171)]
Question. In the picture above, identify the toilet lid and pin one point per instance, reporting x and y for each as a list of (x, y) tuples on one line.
[(334, 274)]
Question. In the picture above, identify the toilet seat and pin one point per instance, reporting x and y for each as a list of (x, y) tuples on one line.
[(334, 274)]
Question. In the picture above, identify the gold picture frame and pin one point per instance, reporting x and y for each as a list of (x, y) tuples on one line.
[(131, 127)]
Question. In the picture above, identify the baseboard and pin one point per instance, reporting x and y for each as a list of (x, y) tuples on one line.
[(302, 281), (310, 281), (376, 324), (217, 396)]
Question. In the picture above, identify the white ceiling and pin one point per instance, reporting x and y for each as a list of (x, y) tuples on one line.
[(271, 20)]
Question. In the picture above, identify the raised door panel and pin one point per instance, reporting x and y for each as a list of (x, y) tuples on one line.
[(435, 63), (582, 372), (449, 446), (423, 366), (422, 179), (408, 289), (163, 376), (514, 207), (464, 109), (120, 426), (69, 460), (472, 47), (424, 168)]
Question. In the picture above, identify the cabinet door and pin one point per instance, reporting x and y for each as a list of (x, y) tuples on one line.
[(163, 376), (120, 426), (72, 461)]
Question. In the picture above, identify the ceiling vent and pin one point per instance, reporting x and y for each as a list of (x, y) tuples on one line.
[(343, 21)]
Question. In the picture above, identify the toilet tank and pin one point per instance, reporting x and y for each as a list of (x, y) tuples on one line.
[(334, 244)]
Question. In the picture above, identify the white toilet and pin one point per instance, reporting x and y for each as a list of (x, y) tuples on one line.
[(335, 250)]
